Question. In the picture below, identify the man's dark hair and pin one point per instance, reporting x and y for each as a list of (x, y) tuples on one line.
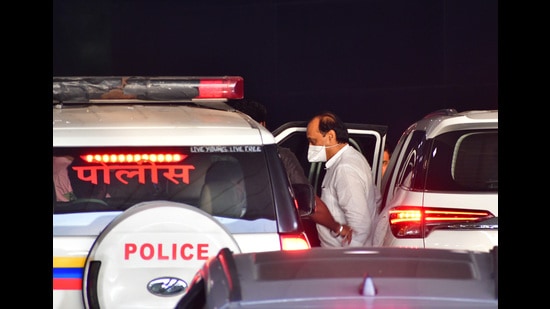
[(329, 121), (252, 108)]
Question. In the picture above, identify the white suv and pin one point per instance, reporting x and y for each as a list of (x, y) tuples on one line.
[(440, 189), (151, 177), (154, 175)]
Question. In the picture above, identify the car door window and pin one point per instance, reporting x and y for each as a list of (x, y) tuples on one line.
[(402, 168)]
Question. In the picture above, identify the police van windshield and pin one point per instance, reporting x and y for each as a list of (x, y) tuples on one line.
[(225, 181)]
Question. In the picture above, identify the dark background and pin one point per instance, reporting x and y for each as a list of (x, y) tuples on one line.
[(384, 62)]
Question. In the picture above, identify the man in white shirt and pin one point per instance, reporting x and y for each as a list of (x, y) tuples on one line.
[(321, 215), (348, 189)]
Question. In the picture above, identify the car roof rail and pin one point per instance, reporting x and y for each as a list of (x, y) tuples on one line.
[(442, 112), (202, 90)]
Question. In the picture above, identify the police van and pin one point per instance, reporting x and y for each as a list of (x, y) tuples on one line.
[(154, 175)]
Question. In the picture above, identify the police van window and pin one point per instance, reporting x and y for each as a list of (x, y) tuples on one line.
[(107, 179), (62, 184), (224, 191)]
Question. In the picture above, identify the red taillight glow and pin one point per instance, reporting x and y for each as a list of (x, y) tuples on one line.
[(134, 157), (417, 222), (449, 215), (294, 242), (405, 215)]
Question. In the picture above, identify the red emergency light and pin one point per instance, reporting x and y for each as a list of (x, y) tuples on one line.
[(139, 88)]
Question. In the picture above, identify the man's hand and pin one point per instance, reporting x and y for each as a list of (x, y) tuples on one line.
[(321, 215), (346, 234)]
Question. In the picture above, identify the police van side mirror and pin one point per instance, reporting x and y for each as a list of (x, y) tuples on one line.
[(305, 198)]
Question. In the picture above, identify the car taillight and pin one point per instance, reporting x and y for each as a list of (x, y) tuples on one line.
[(294, 242), (418, 222)]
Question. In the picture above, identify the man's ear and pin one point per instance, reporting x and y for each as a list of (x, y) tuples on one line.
[(331, 135)]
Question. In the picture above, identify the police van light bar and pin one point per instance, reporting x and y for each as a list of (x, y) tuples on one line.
[(134, 157), (169, 88)]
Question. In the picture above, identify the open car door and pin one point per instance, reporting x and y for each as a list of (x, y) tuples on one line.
[(367, 138)]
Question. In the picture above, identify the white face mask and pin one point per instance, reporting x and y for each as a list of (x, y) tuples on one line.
[(316, 153)]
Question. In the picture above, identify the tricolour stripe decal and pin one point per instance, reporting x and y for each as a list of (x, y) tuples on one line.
[(68, 272)]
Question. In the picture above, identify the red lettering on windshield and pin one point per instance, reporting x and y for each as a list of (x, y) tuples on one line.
[(124, 172)]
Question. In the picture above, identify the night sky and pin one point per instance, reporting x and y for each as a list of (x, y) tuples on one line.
[(384, 62)]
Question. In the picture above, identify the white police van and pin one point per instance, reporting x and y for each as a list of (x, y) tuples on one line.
[(154, 175)]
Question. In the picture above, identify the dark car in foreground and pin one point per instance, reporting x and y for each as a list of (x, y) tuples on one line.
[(374, 277)]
